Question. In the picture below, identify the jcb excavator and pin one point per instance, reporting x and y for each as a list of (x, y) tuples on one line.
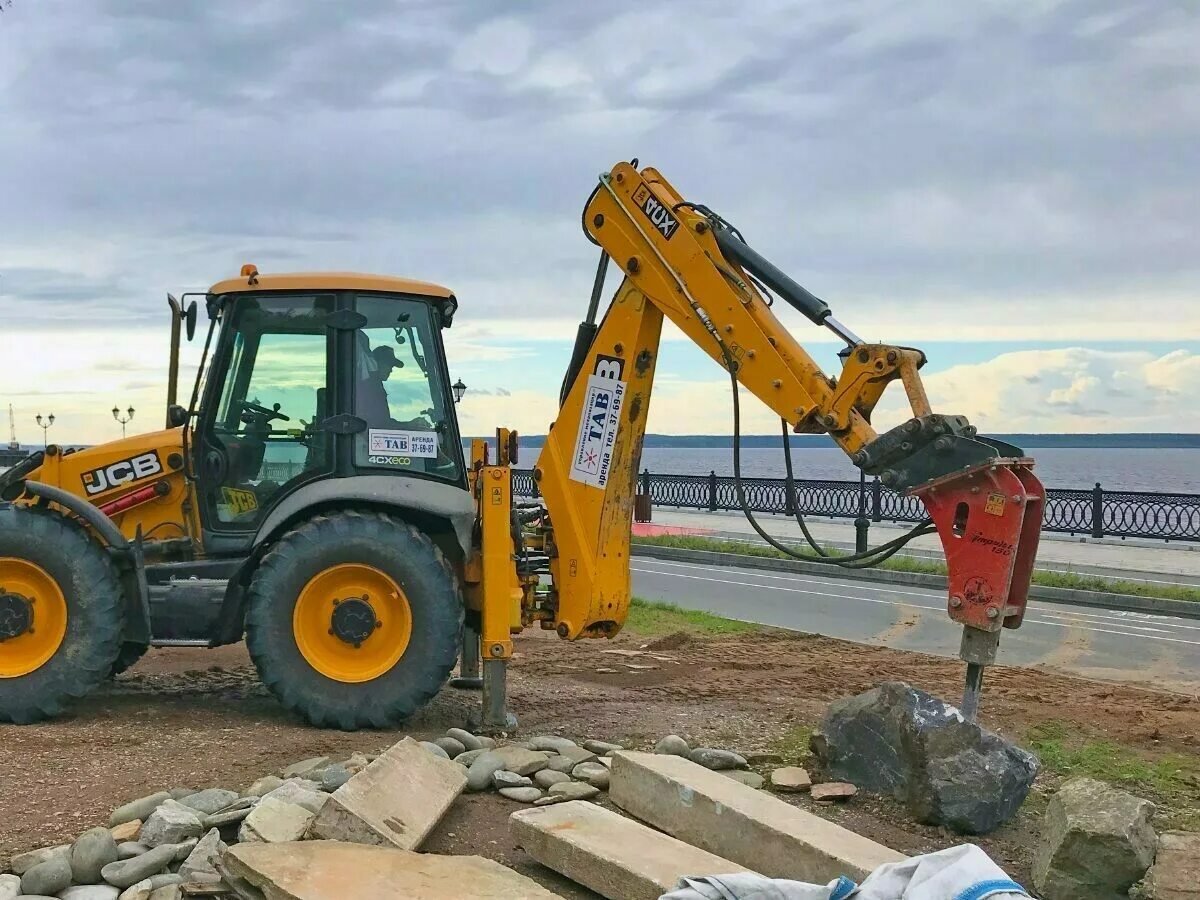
[(313, 496)]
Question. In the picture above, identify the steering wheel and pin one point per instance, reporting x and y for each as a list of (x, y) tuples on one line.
[(267, 414)]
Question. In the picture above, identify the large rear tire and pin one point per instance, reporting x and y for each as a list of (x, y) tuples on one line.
[(354, 620), (60, 614)]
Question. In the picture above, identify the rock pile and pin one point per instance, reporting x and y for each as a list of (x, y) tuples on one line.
[(169, 845), (173, 844)]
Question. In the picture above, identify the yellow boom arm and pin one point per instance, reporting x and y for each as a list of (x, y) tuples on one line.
[(673, 267), (683, 262)]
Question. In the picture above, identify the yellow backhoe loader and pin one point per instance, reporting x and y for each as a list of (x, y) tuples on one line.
[(313, 497)]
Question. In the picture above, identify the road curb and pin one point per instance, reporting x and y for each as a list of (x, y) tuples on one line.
[(1098, 599)]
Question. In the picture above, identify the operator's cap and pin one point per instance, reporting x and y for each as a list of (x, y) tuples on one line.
[(385, 356)]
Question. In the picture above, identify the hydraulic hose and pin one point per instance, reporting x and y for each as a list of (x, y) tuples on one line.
[(864, 560)]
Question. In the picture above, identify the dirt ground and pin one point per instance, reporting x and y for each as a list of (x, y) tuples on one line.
[(199, 718)]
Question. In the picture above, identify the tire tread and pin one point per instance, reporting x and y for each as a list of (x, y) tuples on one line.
[(286, 556)]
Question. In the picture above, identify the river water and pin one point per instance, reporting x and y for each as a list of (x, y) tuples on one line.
[(1168, 471)]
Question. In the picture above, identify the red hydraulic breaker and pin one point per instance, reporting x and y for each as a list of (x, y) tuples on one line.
[(989, 519)]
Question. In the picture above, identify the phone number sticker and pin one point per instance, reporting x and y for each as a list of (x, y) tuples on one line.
[(388, 443)]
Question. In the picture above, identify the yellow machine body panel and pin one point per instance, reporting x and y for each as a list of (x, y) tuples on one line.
[(106, 473)]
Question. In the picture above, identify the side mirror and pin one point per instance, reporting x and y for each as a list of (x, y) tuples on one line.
[(189, 321), (176, 415)]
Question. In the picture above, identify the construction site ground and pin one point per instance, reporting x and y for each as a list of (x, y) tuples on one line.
[(198, 718)]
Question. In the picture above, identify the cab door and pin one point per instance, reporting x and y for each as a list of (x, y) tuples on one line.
[(260, 433)]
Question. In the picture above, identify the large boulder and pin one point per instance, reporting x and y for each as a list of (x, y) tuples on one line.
[(897, 740), (1096, 842), (1175, 874)]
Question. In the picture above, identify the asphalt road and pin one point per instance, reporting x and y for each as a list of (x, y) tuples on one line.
[(1162, 651)]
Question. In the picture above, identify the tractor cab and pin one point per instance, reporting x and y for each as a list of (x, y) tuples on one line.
[(317, 376)]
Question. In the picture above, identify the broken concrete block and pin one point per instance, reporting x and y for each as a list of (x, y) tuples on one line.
[(614, 856), (895, 739), (275, 822), (722, 816), (320, 870), (1096, 842), (395, 801), (1175, 874)]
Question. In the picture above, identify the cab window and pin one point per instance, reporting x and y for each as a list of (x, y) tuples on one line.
[(400, 390), (266, 427)]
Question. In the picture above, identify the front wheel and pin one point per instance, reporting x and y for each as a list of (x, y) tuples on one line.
[(60, 614), (354, 620)]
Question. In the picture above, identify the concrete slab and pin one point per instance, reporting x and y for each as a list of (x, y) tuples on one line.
[(331, 870), (616, 857), (750, 827), (394, 802)]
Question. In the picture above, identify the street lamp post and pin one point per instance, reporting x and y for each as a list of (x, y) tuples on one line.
[(862, 525), (123, 419), (459, 389), (45, 424)]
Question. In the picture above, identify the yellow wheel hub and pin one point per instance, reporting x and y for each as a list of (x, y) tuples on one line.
[(352, 623), (33, 617)]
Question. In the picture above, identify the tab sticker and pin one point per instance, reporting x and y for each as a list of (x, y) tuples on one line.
[(598, 426), (392, 444)]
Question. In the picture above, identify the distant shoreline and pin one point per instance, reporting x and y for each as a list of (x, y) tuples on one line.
[(1133, 441)]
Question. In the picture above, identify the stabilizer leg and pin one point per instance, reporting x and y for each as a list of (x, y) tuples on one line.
[(468, 664), (493, 717)]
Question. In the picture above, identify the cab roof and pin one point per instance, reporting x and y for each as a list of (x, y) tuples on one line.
[(329, 281)]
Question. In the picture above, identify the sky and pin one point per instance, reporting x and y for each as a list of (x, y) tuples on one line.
[(1011, 187)]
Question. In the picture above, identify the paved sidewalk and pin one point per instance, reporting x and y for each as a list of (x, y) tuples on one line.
[(1169, 563)]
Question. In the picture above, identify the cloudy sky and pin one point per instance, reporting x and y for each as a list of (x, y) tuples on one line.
[(1012, 187)]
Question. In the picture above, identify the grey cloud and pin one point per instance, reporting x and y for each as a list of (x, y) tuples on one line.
[(980, 151)]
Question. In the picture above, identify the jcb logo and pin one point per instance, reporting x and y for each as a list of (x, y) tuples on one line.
[(658, 214), (123, 472)]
